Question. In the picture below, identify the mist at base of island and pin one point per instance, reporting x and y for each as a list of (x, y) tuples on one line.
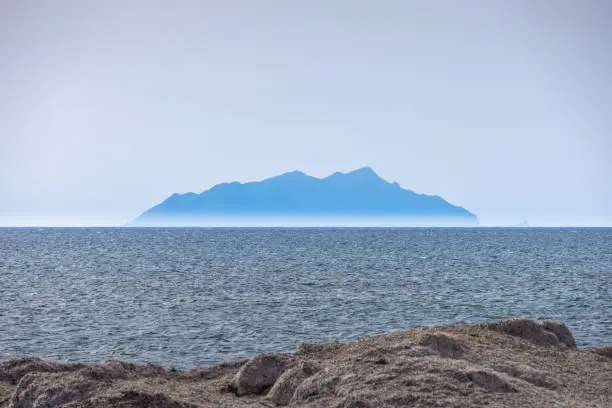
[(305, 221)]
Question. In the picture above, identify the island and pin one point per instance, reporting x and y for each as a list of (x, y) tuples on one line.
[(359, 198)]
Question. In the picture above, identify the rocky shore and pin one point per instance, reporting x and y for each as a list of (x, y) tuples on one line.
[(511, 363)]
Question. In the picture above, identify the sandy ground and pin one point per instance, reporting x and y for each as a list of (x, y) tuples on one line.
[(513, 363)]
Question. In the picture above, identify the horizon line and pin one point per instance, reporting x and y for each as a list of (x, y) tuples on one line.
[(127, 226)]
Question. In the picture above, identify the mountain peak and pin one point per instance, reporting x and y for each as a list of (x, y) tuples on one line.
[(290, 176), (364, 171), (365, 175)]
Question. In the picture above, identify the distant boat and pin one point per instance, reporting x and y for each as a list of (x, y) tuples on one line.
[(524, 224)]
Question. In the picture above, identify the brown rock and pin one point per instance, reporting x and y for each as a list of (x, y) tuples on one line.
[(544, 333), (603, 351), (320, 384), (259, 374), (285, 386), (12, 371), (49, 390), (489, 380), (489, 366), (443, 343), (562, 332)]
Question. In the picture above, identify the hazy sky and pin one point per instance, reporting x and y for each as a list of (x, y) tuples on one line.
[(108, 107)]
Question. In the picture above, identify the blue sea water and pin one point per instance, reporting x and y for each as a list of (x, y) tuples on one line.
[(191, 297)]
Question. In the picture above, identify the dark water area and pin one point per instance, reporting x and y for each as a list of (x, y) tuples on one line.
[(191, 297)]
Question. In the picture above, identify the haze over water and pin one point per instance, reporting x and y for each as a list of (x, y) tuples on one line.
[(188, 297)]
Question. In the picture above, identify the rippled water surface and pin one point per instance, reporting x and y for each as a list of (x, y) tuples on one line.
[(189, 297)]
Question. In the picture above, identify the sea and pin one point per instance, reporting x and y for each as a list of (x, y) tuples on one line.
[(187, 297)]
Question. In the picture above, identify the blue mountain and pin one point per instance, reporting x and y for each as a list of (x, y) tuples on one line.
[(357, 195)]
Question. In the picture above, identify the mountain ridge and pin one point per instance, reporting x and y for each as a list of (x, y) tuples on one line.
[(358, 194)]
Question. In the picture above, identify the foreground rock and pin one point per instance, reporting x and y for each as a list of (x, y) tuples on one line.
[(259, 374), (513, 363)]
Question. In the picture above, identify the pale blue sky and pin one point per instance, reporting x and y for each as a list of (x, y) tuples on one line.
[(108, 107)]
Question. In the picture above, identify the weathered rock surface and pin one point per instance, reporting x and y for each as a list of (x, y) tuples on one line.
[(541, 333), (604, 351), (12, 371), (259, 374), (513, 363), (445, 344), (284, 389)]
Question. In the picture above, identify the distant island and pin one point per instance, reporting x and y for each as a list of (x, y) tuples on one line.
[(359, 197)]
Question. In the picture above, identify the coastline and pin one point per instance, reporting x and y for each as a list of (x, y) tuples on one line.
[(515, 362)]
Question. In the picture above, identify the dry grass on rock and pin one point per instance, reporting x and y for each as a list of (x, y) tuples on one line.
[(512, 363)]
